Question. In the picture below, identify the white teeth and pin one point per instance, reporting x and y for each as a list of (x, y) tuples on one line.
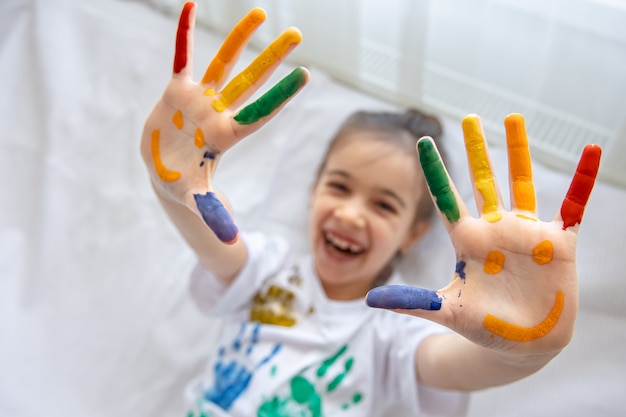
[(342, 244)]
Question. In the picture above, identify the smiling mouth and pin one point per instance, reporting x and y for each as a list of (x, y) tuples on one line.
[(342, 246)]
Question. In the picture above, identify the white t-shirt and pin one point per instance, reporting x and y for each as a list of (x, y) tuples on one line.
[(288, 350)]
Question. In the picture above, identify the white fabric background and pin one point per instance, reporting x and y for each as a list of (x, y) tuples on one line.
[(94, 314)]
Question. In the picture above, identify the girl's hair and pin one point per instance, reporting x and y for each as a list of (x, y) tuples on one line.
[(401, 129)]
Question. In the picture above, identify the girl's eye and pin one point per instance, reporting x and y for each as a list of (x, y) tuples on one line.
[(386, 207), (337, 186)]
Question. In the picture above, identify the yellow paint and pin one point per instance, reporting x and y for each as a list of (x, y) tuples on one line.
[(520, 166), (249, 76), (523, 216), (209, 92), (198, 138), (177, 119), (234, 42), (494, 262), (517, 333), (165, 174), (275, 306), (543, 252), (479, 165)]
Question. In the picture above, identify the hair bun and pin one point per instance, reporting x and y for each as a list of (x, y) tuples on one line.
[(422, 124)]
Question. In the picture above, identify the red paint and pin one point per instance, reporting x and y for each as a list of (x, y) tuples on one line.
[(579, 190), (180, 57)]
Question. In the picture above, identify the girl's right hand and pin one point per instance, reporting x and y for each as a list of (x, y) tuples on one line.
[(195, 122)]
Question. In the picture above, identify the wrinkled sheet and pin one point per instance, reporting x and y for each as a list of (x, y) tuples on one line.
[(94, 314)]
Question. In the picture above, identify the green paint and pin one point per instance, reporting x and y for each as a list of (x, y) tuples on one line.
[(437, 180), (274, 98), (305, 397), (273, 370), (321, 371)]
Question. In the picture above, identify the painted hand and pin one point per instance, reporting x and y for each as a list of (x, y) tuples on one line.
[(515, 283), (195, 122)]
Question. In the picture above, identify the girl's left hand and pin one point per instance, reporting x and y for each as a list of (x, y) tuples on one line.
[(515, 284)]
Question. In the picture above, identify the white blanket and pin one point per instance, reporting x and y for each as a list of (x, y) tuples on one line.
[(94, 314)]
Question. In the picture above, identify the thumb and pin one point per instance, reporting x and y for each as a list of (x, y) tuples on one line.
[(217, 217), (403, 297)]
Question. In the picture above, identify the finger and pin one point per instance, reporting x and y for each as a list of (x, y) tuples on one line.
[(451, 207), (403, 297), (245, 83), (274, 99), (217, 217), (580, 188), (520, 165), (480, 168), (226, 58), (184, 40)]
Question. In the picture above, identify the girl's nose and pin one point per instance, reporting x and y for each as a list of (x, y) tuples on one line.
[(351, 212)]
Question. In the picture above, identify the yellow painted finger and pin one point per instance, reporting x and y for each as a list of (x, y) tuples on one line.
[(479, 165), (233, 44), (520, 166), (265, 61)]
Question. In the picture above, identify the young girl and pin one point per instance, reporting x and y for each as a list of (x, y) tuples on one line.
[(298, 338)]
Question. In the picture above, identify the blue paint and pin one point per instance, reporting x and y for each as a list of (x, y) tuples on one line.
[(208, 155), (404, 297), (460, 269), (216, 217), (232, 378)]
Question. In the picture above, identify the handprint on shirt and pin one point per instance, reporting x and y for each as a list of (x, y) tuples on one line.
[(305, 396), (233, 378)]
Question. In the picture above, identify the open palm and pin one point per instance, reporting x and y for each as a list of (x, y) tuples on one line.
[(515, 283), (195, 122)]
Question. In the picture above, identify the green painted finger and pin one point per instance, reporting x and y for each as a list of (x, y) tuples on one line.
[(274, 98), (437, 180)]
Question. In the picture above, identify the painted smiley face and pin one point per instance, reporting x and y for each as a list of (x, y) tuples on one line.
[(543, 254)]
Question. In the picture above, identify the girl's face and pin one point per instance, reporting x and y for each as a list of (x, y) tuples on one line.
[(362, 212)]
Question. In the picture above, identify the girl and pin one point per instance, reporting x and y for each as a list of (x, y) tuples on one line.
[(298, 339)]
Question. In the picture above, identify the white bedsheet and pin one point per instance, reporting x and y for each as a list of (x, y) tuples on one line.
[(94, 314)]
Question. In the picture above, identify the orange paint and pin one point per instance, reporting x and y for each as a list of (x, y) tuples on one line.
[(165, 174), (517, 333), (177, 119), (480, 167), (543, 252), (249, 76), (520, 166), (198, 138), (494, 262), (233, 44)]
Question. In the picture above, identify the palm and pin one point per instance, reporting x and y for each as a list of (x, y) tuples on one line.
[(195, 122), (515, 279)]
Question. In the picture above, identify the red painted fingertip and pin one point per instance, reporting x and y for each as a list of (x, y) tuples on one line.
[(180, 57), (579, 191)]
